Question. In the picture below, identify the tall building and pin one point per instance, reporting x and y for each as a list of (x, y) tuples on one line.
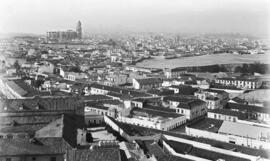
[(79, 30), (65, 36)]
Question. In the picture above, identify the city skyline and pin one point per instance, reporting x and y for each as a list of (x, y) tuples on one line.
[(223, 16), (140, 80)]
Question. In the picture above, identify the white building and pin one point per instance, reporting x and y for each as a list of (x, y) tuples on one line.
[(153, 119), (226, 114), (236, 133), (191, 108), (174, 73), (214, 98), (240, 83), (146, 83)]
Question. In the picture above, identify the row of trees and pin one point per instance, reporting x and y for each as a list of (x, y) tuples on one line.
[(241, 68), (253, 68), (209, 68)]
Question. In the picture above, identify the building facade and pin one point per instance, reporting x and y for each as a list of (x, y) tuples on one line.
[(240, 83), (65, 36)]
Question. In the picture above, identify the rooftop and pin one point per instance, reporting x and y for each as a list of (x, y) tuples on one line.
[(244, 130), (207, 124), (248, 108), (228, 112), (119, 90), (95, 98), (65, 127), (155, 113), (158, 108), (162, 92), (40, 146), (215, 91), (234, 147), (98, 154), (239, 79), (154, 149), (184, 148), (149, 80), (38, 103)]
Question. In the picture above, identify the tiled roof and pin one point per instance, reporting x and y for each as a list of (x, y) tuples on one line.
[(248, 108), (239, 100), (95, 98), (26, 128), (142, 100), (37, 103), (53, 129), (65, 127), (178, 69), (114, 94), (98, 154), (228, 112), (26, 90), (112, 102), (163, 92), (159, 108), (119, 90), (191, 104), (228, 146), (41, 146), (183, 148), (149, 80), (185, 89), (239, 79), (180, 147), (96, 105), (207, 124), (154, 149), (215, 91), (16, 88), (156, 112), (28, 119), (176, 99)]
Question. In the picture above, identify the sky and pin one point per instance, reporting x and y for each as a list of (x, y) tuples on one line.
[(181, 16)]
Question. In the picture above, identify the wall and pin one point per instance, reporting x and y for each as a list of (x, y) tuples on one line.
[(168, 125), (171, 150), (211, 148), (226, 138)]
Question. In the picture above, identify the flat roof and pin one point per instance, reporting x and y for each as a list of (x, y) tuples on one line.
[(207, 124), (157, 113), (243, 130)]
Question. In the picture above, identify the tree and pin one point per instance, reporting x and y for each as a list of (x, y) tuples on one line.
[(17, 65), (38, 83), (238, 69), (89, 137), (75, 69)]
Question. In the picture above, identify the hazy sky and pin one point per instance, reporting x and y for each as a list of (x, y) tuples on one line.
[(39, 16)]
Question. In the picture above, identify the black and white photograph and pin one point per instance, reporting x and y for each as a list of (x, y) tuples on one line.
[(134, 80)]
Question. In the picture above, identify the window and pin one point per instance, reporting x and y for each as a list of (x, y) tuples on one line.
[(53, 159)]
